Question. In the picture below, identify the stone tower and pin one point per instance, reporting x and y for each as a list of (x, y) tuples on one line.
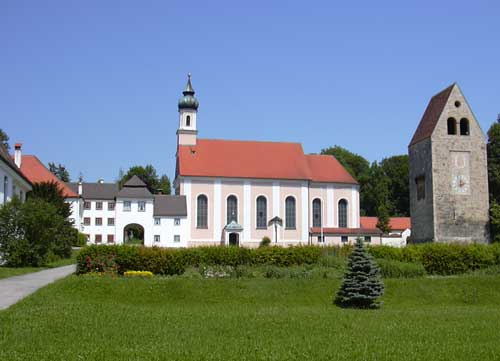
[(448, 173), (188, 110)]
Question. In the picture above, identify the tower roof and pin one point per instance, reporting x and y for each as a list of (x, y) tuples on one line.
[(188, 100), (135, 181), (432, 114)]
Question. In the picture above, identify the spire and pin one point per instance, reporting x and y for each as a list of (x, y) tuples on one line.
[(188, 100), (189, 88)]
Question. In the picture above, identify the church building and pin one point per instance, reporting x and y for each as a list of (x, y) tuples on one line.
[(269, 189)]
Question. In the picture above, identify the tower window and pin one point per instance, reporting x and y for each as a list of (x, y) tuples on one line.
[(420, 181), (452, 126), (188, 121), (464, 126), (458, 104)]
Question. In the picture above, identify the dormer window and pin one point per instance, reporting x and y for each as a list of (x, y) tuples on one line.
[(188, 121)]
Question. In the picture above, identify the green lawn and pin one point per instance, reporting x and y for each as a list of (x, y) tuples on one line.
[(16, 271), (99, 318)]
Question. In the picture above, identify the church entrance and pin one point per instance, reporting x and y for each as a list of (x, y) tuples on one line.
[(234, 239)]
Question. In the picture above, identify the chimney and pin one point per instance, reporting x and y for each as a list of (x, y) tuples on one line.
[(18, 154), (80, 187)]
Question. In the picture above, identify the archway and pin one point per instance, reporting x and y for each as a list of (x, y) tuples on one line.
[(133, 234), (234, 239)]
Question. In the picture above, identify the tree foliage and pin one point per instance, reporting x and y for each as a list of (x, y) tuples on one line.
[(149, 176), (32, 232), (59, 171), (51, 193), (382, 183), (362, 283), (494, 178), (4, 139), (383, 219)]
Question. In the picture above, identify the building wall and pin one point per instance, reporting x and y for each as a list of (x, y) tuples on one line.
[(421, 211), (15, 184), (460, 217), (92, 230), (167, 230), (145, 219), (246, 191)]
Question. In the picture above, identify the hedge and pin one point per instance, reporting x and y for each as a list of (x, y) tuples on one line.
[(168, 261), (436, 258)]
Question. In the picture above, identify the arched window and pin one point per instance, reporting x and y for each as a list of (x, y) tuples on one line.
[(232, 209), (261, 212), (5, 188), (464, 126), (316, 212), (452, 126), (342, 213), (188, 121), (202, 211), (290, 213)]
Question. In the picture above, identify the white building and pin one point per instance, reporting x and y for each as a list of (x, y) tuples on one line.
[(12, 181), (109, 215)]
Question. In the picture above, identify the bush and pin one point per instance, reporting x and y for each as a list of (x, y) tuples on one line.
[(81, 240), (164, 261), (396, 269), (266, 241), (32, 232)]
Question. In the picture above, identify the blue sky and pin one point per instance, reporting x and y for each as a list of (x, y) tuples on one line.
[(94, 84)]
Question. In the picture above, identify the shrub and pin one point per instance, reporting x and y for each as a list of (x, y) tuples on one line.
[(30, 232), (396, 269), (81, 240), (362, 284), (266, 241)]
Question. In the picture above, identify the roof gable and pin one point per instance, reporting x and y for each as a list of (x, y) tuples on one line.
[(257, 159), (431, 115), (135, 181)]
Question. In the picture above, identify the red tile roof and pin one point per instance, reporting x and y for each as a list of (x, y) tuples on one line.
[(253, 159), (345, 231), (431, 115), (396, 223), (36, 172)]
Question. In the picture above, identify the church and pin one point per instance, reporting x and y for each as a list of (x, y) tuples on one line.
[(273, 190)]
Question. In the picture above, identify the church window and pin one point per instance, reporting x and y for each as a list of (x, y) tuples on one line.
[(202, 212), (232, 209), (290, 213), (342, 213), (458, 104), (452, 126), (464, 126), (420, 181), (316, 207), (188, 121), (261, 212)]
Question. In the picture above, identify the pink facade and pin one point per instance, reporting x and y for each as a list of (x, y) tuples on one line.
[(275, 192)]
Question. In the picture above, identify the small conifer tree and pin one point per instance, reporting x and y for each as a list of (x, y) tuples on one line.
[(362, 283)]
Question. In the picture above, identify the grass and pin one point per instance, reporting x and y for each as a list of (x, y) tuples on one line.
[(6, 272), (101, 318)]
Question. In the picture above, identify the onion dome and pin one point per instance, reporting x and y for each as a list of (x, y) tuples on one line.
[(188, 100)]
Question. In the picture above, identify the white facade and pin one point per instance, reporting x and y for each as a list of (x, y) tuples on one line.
[(11, 183)]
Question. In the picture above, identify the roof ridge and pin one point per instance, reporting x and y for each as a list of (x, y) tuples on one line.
[(249, 141)]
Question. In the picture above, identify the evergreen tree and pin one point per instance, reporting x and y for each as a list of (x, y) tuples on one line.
[(59, 171), (4, 139), (362, 283), (383, 219)]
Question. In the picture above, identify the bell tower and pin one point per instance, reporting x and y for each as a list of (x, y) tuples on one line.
[(188, 109), (448, 173)]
